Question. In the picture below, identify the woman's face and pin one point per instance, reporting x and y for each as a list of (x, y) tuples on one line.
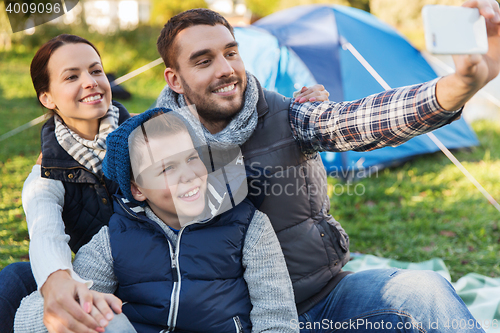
[(78, 88)]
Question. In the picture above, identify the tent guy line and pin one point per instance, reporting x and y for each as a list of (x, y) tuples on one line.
[(116, 82), (348, 46)]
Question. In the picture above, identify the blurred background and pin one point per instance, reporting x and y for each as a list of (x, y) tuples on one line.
[(422, 209)]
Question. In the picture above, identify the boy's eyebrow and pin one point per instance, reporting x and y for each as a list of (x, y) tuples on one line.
[(173, 158)]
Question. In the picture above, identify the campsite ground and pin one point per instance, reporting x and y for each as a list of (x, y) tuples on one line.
[(423, 209)]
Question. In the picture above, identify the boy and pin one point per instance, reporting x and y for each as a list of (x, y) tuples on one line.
[(181, 251)]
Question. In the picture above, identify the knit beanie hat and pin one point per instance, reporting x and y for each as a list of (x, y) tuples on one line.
[(116, 163)]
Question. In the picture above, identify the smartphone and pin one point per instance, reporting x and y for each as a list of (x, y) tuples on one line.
[(454, 30)]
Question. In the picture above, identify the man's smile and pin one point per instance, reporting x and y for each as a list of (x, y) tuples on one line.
[(229, 88)]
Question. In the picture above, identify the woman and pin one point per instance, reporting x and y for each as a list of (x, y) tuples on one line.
[(66, 198)]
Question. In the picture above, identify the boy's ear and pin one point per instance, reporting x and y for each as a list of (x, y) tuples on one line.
[(136, 192), (46, 100), (173, 80)]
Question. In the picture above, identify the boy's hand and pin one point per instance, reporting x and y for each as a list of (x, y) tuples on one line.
[(68, 305), (316, 93)]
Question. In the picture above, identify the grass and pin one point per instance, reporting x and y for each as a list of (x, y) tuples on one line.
[(423, 209), (427, 208), (18, 105)]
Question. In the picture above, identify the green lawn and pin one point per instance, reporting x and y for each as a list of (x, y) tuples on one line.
[(423, 209)]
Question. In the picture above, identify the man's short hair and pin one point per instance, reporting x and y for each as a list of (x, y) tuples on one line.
[(198, 16)]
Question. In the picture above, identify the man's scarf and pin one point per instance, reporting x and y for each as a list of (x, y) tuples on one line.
[(237, 132)]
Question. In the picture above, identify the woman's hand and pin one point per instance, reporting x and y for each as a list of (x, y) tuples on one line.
[(69, 306), (316, 93)]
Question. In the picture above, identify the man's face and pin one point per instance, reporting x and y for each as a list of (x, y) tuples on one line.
[(210, 73)]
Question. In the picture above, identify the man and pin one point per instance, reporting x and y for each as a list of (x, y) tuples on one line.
[(280, 140)]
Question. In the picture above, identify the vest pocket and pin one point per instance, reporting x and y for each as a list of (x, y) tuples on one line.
[(338, 241), (237, 324)]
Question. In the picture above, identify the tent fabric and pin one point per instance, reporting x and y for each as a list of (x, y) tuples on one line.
[(303, 46), (276, 67), (480, 293)]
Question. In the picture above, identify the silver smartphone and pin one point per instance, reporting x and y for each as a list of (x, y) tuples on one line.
[(454, 30)]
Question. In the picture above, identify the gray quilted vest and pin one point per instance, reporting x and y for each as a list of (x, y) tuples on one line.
[(295, 198)]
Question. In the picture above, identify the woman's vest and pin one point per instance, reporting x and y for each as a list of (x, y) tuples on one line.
[(195, 285), (294, 188), (87, 197)]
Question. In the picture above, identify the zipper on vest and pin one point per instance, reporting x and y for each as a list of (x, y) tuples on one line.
[(237, 324), (129, 213), (176, 289), (278, 144)]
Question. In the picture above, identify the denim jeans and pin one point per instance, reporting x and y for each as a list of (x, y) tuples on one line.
[(120, 324), (390, 300), (16, 282)]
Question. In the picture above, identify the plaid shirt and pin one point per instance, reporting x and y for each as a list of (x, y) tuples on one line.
[(389, 118)]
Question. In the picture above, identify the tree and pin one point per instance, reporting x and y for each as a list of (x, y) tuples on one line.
[(261, 8), (406, 16), (361, 4), (163, 10), (5, 40)]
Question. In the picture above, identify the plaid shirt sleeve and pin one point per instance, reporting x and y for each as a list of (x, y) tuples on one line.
[(389, 118)]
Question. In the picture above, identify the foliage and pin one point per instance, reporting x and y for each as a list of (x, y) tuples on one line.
[(406, 16), (4, 20), (5, 30), (426, 208), (122, 51), (261, 8), (361, 4), (163, 10), (18, 105)]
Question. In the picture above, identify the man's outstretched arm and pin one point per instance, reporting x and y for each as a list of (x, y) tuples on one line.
[(392, 117)]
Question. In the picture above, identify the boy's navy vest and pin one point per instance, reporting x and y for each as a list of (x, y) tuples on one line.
[(213, 295), (87, 198), (295, 198)]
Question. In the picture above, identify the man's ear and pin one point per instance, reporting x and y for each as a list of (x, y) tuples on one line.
[(47, 101), (136, 192), (173, 80)]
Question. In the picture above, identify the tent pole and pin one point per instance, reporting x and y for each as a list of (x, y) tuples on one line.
[(348, 46)]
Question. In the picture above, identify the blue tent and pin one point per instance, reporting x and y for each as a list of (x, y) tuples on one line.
[(304, 45)]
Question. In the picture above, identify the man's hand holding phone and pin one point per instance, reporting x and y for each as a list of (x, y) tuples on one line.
[(473, 71)]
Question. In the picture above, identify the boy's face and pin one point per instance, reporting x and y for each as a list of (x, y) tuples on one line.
[(175, 186)]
